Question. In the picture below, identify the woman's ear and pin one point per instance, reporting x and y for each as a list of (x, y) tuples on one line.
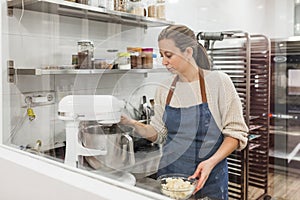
[(189, 52)]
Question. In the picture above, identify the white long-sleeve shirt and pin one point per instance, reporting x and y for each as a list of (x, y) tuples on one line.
[(222, 98)]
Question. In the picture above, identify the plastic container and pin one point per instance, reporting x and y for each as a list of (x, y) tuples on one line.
[(123, 60)]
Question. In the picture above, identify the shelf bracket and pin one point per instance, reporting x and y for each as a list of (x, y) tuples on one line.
[(11, 71)]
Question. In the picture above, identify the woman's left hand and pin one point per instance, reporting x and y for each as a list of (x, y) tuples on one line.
[(202, 172)]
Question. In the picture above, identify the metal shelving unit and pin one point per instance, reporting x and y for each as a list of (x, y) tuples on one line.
[(260, 106), (71, 9), (82, 11), (12, 71), (246, 59)]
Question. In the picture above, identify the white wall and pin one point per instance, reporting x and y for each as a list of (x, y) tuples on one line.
[(274, 18)]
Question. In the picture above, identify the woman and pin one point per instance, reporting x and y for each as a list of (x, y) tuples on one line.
[(198, 115)]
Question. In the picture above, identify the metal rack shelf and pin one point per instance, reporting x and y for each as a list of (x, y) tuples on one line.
[(12, 71), (247, 62), (71, 9), (253, 136)]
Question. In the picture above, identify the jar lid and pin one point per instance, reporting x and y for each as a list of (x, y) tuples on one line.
[(85, 42), (147, 49), (134, 49), (112, 50), (123, 54)]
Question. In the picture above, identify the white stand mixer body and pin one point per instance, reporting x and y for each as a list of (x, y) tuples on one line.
[(73, 109)]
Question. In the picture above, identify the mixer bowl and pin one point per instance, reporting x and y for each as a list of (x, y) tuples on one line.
[(115, 139)]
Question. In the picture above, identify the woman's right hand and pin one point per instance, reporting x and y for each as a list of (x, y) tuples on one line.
[(126, 120), (144, 130)]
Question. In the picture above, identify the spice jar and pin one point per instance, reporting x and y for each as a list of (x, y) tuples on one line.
[(135, 57), (85, 54), (147, 58)]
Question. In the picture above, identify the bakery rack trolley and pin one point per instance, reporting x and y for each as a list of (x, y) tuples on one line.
[(246, 59)]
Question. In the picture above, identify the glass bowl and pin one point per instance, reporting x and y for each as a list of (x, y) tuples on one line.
[(177, 186)]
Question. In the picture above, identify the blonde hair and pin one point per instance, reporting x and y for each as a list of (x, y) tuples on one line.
[(184, 37)]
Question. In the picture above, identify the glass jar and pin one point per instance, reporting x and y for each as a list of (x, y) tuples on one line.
[(147, 58), (137, 7), (82, 2), (152, 9), (160, 9), (120, 5), (135, 57), (123, 60), (110, 4), (102, 3), (85, 54), (111, 57)]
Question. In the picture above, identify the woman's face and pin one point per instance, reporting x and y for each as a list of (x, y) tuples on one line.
[(175, 61)]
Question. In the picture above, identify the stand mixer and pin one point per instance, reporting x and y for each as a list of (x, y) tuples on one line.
[(73, 109)]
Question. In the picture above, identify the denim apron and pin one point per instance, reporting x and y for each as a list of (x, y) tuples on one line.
[(193, 136)]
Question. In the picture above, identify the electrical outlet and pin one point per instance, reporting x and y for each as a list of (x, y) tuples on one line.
[(38, 98)]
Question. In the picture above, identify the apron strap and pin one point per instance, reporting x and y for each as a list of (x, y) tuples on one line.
[(171, 90), (202, 88)]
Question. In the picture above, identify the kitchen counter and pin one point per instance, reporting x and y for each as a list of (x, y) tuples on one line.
[(148, 184)]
